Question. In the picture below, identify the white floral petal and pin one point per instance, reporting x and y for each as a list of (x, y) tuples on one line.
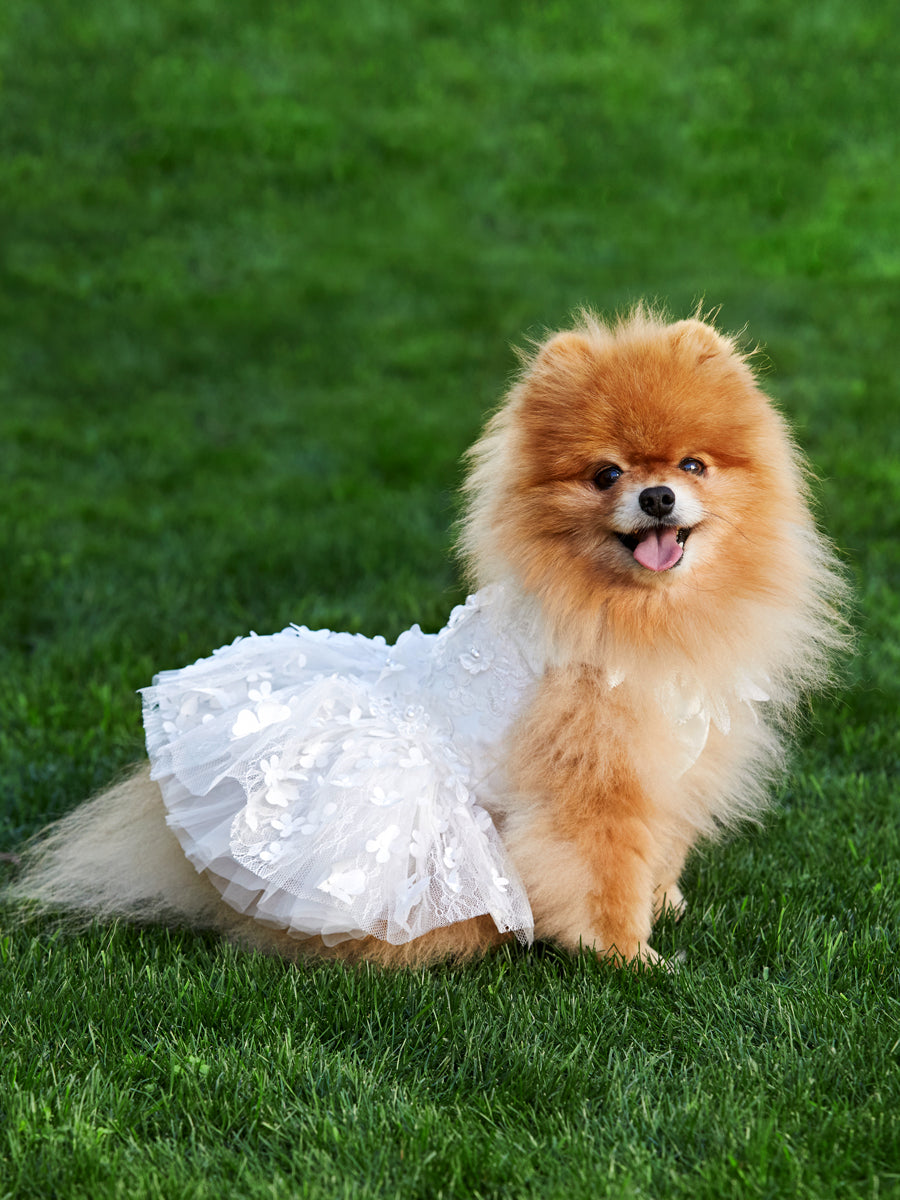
[(245, 724)]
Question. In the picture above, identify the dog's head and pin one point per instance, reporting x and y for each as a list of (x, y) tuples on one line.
[(635, 460)]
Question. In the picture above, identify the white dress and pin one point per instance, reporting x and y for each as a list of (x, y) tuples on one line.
[(328, 783)]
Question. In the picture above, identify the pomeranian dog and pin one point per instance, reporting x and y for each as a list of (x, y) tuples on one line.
[(642, 496)]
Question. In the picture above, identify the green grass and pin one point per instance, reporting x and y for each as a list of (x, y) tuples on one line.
[(522, 1076), (262, 265)]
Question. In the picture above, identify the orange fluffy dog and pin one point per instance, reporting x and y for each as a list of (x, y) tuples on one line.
[(642, 487), (641, 494)]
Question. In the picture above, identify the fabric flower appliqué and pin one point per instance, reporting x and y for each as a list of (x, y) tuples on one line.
[(475, 660), (266, 712), (383, 799), (380, 846), (275, 779), (344, 885), (413, 720)]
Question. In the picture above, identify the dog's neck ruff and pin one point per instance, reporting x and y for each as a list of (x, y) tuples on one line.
[(681, 696)]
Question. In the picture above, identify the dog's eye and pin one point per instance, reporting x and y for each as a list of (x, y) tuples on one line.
[(606, 477), (693, 466)]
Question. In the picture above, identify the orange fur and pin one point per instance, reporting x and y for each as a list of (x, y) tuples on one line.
[(606, 797), (600, 821)]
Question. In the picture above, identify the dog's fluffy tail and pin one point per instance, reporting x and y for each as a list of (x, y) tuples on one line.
[(116, 857)]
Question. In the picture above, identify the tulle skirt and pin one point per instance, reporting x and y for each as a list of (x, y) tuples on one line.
[(331, 784)]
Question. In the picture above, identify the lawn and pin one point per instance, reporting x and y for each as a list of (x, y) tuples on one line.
[(263, 266)]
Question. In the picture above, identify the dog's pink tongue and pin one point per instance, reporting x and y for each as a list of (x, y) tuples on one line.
[(658, 549)]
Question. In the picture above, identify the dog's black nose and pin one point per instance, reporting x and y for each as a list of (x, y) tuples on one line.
[(657, 501)]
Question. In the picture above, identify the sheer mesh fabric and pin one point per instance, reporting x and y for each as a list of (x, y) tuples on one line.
[(331, 784)]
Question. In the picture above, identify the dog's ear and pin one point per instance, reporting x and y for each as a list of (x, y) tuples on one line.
[(563, 362), (700, 341), (564, 349)]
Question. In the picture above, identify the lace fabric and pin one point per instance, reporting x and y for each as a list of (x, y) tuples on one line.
[(331, 784)]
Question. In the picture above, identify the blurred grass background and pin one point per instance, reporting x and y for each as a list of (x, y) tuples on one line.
[(262, 267)]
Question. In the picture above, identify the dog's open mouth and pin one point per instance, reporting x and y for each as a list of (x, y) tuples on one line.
[(659, 548)]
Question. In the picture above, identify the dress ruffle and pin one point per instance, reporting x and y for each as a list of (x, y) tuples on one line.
[(331, 784)]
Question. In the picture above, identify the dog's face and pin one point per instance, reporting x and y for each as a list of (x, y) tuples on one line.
[(650, 512), (644, 458)]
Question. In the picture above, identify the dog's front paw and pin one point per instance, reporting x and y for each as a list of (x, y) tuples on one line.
[(641, 955), (668, 900)]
